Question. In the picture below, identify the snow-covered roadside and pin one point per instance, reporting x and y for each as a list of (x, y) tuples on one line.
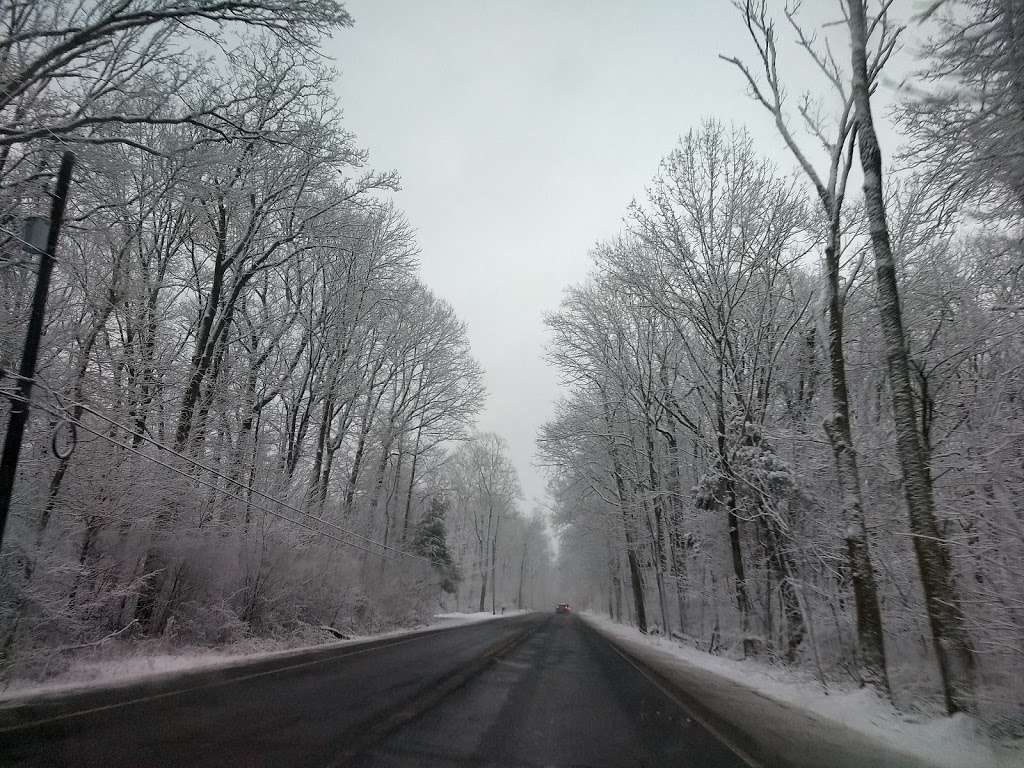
[(142, 667), (802, 725)]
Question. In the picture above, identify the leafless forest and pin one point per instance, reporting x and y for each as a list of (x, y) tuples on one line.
[(794, 427), (249, 418)]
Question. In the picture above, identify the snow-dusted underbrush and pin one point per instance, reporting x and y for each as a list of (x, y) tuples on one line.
[(271, 600)]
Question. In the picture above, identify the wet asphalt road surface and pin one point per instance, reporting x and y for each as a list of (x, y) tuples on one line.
[(532, 691)]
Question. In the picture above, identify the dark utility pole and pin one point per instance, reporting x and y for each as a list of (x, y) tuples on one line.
[(23, 392)]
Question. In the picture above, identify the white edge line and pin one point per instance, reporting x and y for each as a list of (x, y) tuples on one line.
[(214, 684), (741, 753), (230, 662)]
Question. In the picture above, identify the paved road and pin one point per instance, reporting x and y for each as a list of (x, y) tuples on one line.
[(536, 690)]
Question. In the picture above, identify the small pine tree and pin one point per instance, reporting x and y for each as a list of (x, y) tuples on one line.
[(430, 539)]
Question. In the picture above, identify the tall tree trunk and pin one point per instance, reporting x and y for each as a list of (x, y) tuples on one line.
[(676, 534), (412, 481), (200, 419), (635, 574), (782, 567), (242, 444), (325, 477), (483, 585), (949, 635), (494, 561), (333, 444), (206, 338), (732, 518), (636, 578), (615, 578), (147, 378), (378, 480), (661, 528), (870, 639), (522, 574), (322, 437), (367, 419)]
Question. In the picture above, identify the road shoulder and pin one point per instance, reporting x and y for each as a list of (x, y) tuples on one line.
[(30, 705), (775, 727)]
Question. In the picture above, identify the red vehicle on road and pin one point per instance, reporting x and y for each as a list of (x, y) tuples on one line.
[(563, 608)]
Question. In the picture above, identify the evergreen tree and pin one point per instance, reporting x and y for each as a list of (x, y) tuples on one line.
[(430, 539)]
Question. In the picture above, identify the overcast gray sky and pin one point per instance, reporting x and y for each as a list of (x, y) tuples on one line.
[(522, 129)]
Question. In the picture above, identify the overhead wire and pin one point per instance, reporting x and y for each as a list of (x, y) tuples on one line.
[(216, 473), (273, 513), (398, 553), (33, 249), (76, 423), (198, 464)]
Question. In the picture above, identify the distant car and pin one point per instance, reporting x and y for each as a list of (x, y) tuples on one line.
[(563, 608)]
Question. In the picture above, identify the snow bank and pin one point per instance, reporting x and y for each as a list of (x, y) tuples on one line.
[(85, 674), (799, 724)]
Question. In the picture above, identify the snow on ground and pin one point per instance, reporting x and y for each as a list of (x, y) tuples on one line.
[(141, 667), (802, 724), (466, 618)]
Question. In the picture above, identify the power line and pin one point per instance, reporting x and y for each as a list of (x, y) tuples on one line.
[(212, 486), (398, 553), (27, 379), (32, 248), (397, 557), (222, 476)]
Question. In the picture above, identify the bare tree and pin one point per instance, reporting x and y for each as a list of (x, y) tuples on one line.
[(837, 142), (68, 68), (950, 639), (486, 490)]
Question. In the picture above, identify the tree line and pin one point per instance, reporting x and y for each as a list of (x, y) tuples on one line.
[(791, 427), (247, 401)]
